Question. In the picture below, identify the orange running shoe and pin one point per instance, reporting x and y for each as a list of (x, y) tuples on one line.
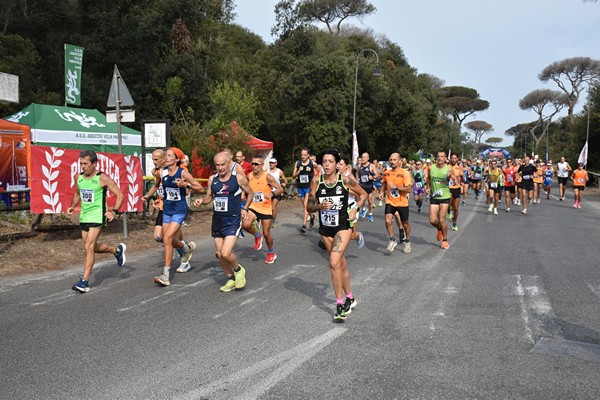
[(445, 244), (440, 235)]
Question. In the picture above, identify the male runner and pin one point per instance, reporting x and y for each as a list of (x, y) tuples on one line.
[(562, 172), (175, 208), (580, 178), (419, 178), (526, 171), (476, 178), (509, 183), (225, 189), (466, 180), (397, 184), (91, 192), (329, 197), (279, 176), (495, 183), (548, 176), (438, 178), (365, 174), (304, 173), (455, 189), (261, 182)]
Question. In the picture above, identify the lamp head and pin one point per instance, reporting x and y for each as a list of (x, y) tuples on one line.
[(377, 71)]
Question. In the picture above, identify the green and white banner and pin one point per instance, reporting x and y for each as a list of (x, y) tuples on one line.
[(73, 64)]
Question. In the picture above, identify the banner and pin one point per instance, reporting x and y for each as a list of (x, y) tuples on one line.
[(54, 179), (354, 149), (73, 64), (583, 155)]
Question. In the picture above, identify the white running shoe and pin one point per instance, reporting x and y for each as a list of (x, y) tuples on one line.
[(524, 211), (184, 267), (491, 207), (495, 211)]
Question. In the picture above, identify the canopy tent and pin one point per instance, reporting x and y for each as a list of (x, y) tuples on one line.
[(76, 128), (14, 149), (259, 147)]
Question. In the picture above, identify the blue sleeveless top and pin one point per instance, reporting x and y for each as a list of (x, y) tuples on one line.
[(174, 201), (227, 196)]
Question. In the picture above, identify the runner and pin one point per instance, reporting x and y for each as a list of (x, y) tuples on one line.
[(261, 182), (225, 189), (455, 189), (518, 181), (548, 175), (329, 196), (175, 209), (158, 159), (466, 180), (304, 171), (580, 178), (538, 181), (496, 181), (526, 171), (90, 191), (279, 176), (476, 178), (438, 178), (419, 179), (509, 183), (377, 185), (365, 175), (562, 172), (345, 168), (397, 184)]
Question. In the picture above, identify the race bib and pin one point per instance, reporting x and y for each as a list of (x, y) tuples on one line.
[(418, 184), (303, 178), (330, 218), (259, 197), (477, 176), (527, 177), (87, 195), (580, 180), (221, 204), (364, 178), (394, 193), (494, 184), (173, 194), (509, 178), (451, 183)]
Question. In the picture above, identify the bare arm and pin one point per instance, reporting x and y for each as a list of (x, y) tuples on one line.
[(191, 182), (114, 189), (312, 205), (75, 201), (208, 196)]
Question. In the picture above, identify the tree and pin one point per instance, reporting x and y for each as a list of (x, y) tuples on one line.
[(537, 101), (494, 140), (576, 71), (478, 128), (459, 102)]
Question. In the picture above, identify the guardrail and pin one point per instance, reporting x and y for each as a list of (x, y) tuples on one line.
[(596, 179)]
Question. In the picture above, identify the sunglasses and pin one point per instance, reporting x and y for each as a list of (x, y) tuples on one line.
[(255, 164)]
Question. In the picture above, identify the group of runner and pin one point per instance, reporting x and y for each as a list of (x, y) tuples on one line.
[(245, 196)]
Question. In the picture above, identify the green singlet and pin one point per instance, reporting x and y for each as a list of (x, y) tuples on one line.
[(93, 199), (438, 179)]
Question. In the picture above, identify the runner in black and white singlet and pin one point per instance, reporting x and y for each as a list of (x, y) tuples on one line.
[(365, 174), (304, 171)]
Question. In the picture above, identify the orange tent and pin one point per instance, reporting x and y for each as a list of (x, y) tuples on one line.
[(15, 141)]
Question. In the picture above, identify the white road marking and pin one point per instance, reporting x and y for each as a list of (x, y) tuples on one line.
[(260, 381), (534, 304), (595, 289), (163, 298)]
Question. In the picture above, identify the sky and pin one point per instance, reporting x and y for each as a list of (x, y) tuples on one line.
[(496, 47)]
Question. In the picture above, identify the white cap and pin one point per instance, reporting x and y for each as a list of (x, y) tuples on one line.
[(273, 160)]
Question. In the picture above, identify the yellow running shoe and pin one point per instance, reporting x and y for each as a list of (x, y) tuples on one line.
[(229, 286), (240, 277)]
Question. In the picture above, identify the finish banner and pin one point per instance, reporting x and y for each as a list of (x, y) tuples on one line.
[(73, 65), (54, 173)]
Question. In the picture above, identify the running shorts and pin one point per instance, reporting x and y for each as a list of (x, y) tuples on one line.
[(579, 187), (510, 189), (563, 181), (85, 226), (303, 192), (456, 193), (177, 218), (226, 226), (402, 211), (527, 185), (260, 216), (439, 201), (331, 232)]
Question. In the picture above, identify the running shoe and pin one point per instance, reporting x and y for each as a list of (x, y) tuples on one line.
[(524, 211), (445, 244), (578, 205), (312, 221), (82, 286), (349, 304), (120, 254), (507, 209), (495, 211), (407, 249), (419, 210), (392, 244), (454, 227), (187, 255), (462, 203), (271, 257), (360, 242), (229, 286), (490, 207), (440, 235), (363, 212), (321, 245), (370, 217), (302, 229), (575, 205), (380, 203), (449, 215), (274, 224), (240, 277), (162, 279), (340, 314), (258, 242), (184, 267)]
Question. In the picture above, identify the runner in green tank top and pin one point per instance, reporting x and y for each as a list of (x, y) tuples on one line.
[(91, 193), (437, 187)]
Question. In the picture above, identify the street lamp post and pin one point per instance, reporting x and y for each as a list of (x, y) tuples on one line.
[(376, 72)]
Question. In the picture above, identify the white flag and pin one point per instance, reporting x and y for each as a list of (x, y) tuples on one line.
[(583, 155), (354, 149)]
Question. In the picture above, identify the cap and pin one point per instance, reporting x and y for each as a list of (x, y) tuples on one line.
[(273, 160), (428, 160), (478, 161), (549, 163), (178, 153)]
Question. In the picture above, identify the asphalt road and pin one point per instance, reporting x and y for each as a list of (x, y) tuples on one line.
[(510, 311)]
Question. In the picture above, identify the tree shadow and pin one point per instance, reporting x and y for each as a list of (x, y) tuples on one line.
[(317, 292)]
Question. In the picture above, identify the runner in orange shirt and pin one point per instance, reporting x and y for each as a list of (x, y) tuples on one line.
[(455, 189), (580, 178), (397, 184), (538, 180)]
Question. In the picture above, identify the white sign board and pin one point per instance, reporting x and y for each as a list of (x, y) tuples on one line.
[(155, 135), (126, 116), (9, 87)]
